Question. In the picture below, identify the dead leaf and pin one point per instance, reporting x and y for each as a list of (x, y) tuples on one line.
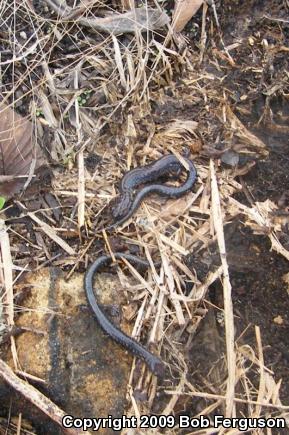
[(195, 145), (178, 128), (184, 11), (182, 125), (142, 19), (19, 157), (252, 144)]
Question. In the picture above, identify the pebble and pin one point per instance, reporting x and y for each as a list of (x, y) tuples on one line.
[(230, 158)]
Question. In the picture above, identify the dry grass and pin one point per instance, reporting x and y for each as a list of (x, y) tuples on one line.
[(103, 94)]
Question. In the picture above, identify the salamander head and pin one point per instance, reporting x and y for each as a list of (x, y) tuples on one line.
[(121, 206)]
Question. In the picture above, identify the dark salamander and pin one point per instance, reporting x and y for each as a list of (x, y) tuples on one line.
[(154, 363), (126, 204)]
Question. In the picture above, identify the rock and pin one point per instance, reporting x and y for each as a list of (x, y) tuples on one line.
[(230, 158), (85, 372)]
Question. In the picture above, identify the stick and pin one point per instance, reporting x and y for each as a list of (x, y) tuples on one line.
[(34, 396), (228, 306), (50, 232)]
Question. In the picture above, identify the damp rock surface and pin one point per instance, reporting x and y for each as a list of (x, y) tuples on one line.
[(84, 371)]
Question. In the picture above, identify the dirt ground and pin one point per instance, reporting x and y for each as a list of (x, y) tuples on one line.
[(260, 296), (260, 99)]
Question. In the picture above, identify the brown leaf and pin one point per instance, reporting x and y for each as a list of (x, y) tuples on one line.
[(179, 126), (19, 158), (184, 11), (253, 143), (143, 19)]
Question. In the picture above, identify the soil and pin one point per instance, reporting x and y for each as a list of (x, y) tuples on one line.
[(260, 296)]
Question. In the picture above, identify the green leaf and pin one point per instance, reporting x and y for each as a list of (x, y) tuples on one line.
[(2, 202)]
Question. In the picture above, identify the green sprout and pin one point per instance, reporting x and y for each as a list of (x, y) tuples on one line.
[(2, 202), (69, 160), (83, 97), (39, 112)]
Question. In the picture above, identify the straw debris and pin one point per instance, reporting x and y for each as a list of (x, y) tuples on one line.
[(109, 90)]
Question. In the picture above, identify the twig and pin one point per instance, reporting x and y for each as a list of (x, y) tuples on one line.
[(34, 396), (280, 20), (199, 293), (228, 306), (7, 265), (171, 285), (204, 33), (50, 232), (172, 403), (26, 53), (68, 276), (6, 260), (231, 60), (81, 190), (261, 390)]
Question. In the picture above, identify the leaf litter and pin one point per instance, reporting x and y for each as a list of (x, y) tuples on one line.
[(20, 156), (129, 99)]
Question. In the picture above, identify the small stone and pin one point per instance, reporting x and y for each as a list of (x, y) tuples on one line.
[(278, 320), (230, 158)]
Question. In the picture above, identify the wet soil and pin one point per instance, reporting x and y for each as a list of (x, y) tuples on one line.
[(260, 296)]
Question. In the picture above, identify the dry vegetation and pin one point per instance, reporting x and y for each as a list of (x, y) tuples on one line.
[(101, 104)]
